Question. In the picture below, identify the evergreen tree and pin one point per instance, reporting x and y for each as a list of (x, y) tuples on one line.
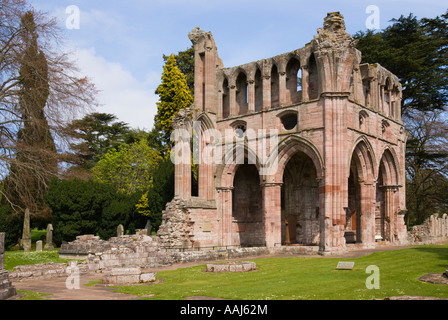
[(36, 158), (416, 50), (185, 63), (94, 135), (173, 95)]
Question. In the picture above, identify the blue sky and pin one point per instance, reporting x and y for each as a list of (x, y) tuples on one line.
[(119, 44)]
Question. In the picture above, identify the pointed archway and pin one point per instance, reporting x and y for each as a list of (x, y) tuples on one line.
[(359, 219)]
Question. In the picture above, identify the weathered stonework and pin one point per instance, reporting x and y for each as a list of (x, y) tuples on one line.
[(7, 290), (339, 151), (433, 230)]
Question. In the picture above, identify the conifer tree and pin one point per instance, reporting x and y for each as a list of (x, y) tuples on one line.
[(174, 95)]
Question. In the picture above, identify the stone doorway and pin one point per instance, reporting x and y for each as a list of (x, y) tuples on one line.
[(300, 202), (353, 211), (247, 214)]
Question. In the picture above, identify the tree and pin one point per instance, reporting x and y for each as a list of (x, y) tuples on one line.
[(185, 63), (34, 144), (93, 136), (416, 50), (87, 207), (173, 95), (129, 168), (39, 90), (426, 165)]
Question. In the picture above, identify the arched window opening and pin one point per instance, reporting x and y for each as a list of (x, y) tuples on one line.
[(225, 99), (242, 93), (258, 91), (313, 84), (274, 87), (293, 81)]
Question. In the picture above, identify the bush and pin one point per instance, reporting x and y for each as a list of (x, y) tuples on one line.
[(11, 224), (77, 207)]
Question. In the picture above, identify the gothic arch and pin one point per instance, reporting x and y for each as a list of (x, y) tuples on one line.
[(363, 156), (286, 150)]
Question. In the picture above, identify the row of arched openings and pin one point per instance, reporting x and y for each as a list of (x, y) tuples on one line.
[(293, 88)]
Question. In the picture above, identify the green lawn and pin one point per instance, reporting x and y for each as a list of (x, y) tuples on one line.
[(308, 278), (18, 257)]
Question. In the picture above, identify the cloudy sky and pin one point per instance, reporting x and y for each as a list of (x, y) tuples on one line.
[(119, 44)]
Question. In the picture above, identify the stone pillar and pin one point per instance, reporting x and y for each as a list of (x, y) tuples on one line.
[(282, 88), (271, 197), (232, 100), (26, 234), (181, 155), (305, 83), (225, 199), (49, 238), (336, 160), (251, 106), (367, 214), (266, 92), (210, 77)]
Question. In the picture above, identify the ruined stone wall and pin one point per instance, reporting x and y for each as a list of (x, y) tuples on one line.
[(6, 288), (433, 230)]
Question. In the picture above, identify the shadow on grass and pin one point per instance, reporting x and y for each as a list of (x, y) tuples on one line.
[(440, 251)]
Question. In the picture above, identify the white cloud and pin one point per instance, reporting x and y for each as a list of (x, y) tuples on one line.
[(132, 101)]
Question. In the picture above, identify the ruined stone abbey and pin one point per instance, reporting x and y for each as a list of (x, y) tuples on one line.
[(338, 150)]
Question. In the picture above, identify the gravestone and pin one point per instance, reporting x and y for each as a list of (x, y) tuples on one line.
[(26, 234), (39, 246), (49, 238), (6, 288), (120, 230), (344, 265), (148, 227)]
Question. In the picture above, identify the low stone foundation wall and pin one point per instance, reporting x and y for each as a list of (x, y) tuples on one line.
[(48, 270), (122, 276), (433, 230)]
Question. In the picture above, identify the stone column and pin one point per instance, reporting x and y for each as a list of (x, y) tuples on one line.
[(271, 198), (266, 92), (251, 106), (210, 77), (305, 83), (225, 197), (26, 234), (49, 238), (181, 155), (282, 88), (336, 168), (232, 100)]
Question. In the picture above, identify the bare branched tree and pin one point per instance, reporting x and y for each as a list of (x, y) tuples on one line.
[(40, 92)]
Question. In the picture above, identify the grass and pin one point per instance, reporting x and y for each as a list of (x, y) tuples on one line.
[(293, 278), (19, 257)]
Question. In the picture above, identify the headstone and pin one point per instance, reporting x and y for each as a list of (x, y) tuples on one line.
[(148, 227), (39, 246), (120, 230), (344, 265), (49, 239), (26, 234)]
